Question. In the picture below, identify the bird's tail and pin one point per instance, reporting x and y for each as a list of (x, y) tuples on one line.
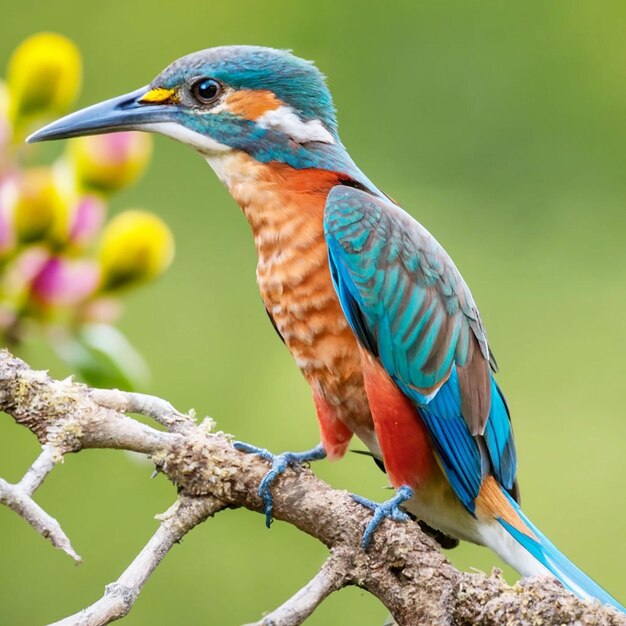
[(530, 552)]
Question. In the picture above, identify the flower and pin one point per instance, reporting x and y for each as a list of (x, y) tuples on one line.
[(136, 246), (38, 209), (8, 192), (43, 76), (86, 220), (61, 273), (19, 274), (106, 163), (65, 282)]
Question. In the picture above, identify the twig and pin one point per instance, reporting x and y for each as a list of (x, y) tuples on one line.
[(38, 471), (20, 501), (131, 402), (301, 605), (119, 597)]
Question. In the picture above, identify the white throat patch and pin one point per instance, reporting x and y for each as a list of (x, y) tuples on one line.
[(205, 145), (286, 120)]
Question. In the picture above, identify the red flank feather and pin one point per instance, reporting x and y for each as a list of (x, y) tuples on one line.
[(401, 433)]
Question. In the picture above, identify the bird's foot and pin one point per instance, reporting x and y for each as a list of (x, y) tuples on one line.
[(390, 509), (280, 462)]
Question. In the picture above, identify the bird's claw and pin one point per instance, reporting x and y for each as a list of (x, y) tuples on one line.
[(280, 462), (389, 509)]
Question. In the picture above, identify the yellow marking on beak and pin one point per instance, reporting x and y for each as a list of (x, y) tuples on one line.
[(159, 95)]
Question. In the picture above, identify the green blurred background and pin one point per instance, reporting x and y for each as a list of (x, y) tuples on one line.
[(501, 127)]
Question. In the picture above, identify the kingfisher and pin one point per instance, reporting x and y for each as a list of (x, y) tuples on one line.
[(370, 305)]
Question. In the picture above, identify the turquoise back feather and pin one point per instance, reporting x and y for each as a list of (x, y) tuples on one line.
[(409, 306)]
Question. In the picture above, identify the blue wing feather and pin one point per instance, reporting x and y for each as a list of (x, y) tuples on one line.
[(499, 440), (408, 305), (347, 296), (457, 449)]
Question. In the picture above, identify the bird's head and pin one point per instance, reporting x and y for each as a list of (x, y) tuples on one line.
[(266, 102)]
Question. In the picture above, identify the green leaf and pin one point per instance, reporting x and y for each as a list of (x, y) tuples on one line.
[(102, 356)]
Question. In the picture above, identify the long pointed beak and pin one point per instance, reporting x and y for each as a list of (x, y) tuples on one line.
[(127, 112)]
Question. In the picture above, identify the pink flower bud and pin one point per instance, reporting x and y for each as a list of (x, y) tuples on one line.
[(117, 147), (30, 263), (19, 274), (86, 221), (65, 282), (8, 192), (106, 163)]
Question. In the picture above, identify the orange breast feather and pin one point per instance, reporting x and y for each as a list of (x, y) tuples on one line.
[(285, 209)]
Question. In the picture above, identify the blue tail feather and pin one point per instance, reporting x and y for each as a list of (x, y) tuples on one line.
[(557, 563)]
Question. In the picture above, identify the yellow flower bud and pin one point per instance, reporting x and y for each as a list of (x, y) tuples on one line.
[(44, 75), (136, 246), (106, 163), (39, 210)]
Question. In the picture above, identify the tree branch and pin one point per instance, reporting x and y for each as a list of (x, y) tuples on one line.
[(403, 567), (38, 471), (119, 597), (16, 499), (330, 578)]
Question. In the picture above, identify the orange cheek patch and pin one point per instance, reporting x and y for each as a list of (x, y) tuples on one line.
[(252, 103)]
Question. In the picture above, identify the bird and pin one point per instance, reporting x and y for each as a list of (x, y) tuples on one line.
[(372, 308)]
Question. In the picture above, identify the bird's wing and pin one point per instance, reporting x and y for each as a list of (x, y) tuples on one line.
[(410, 308)]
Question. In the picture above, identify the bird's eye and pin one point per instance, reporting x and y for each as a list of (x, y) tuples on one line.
[(206, 90)]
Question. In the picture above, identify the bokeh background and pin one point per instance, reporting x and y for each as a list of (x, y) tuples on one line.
[(501, 127)]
